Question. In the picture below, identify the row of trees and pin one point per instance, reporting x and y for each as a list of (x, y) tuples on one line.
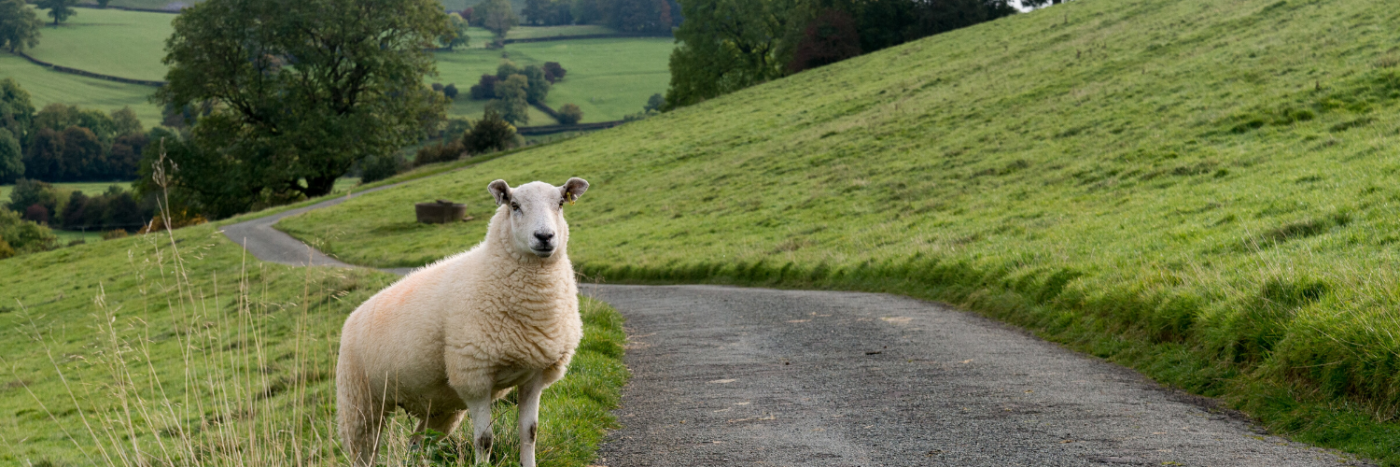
[(116, 208), (65, 143), (727, 45), (655, 16)]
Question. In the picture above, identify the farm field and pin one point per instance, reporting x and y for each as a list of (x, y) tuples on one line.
[(453, 5), (194, 347), (608, 78), (128, 44), (1200, 190), (48, 87)]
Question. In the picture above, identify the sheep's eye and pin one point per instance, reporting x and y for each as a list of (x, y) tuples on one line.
[(515, 206), (561, 203)]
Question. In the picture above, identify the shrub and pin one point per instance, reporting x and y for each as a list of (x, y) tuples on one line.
[(655, 102), (11, 158), (437, 87), (553, 72), (485, 89), (570, 114), (537, 87), (441, 152), (450, 91), (30, 192), (37, 213), (6, 250), (113, 234), (507, 69), (376, 168), (492, 133), (24, 236)]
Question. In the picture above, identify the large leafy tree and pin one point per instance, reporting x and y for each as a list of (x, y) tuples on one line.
[(727, 45), (19, 26), (11, 159), (498, 16), (16, 110), (296, 92), (59, 10)]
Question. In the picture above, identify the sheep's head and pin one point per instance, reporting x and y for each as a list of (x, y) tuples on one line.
[(536, 214)]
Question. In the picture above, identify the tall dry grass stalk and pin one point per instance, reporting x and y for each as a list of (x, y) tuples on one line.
[(225, 403)]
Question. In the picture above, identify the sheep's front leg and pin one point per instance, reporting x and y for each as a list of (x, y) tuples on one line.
[(480, 409), (529, 399)]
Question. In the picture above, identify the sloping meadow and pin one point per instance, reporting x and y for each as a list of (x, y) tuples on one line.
[(181, 350), (1203, 190)]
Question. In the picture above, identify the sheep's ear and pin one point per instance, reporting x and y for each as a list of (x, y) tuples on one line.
[(500, 190), (573, 189)]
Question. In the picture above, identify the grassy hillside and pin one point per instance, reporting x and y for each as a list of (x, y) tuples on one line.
[(1201, 190), (47, 87), (129, 352)]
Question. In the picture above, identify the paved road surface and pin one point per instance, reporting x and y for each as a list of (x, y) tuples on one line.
[(727, 376)]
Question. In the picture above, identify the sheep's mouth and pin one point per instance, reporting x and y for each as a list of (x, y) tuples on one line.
[(542, 251)]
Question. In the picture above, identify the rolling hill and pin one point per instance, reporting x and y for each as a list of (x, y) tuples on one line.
[(1201, 190)]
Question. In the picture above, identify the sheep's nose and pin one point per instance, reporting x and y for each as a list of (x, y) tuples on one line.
[(544, 237)]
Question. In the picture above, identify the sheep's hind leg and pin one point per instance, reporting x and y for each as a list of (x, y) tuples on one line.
[(529, 399), (480, 409)]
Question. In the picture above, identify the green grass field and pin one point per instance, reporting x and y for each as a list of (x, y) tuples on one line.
[(191, 348), (607, 78), (1203, 191), (111, 42), (48, 87)]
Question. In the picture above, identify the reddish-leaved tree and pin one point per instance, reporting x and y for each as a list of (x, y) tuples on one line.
[(830, 37)]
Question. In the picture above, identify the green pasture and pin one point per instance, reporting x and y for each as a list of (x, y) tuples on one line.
[(48, 87), (1204, 191), (149, 350), (111, 42), (607, 78)]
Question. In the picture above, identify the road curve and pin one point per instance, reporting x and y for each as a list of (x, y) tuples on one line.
[(271, 245), (729, 376)]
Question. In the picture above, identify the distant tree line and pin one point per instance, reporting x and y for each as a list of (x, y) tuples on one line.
[(116, 208), (63, 143), (638, 16), (727, 45)]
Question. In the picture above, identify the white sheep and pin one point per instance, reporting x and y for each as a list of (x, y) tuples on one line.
[(456, 335)]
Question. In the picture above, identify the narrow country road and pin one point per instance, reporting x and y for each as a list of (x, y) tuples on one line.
[(732, 376)]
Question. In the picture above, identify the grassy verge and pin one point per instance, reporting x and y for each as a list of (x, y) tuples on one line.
[(1203, 191), (180, 350)]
